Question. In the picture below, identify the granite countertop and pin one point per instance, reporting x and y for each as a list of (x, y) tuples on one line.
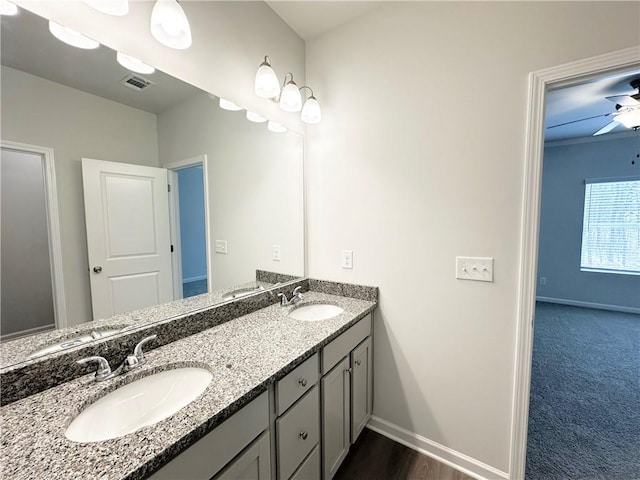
[(244, 355)]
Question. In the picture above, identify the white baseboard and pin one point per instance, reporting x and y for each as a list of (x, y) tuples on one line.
[(194, 279), (598, 306), (446, 455)]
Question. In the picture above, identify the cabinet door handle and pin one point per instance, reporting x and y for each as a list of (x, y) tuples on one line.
[(358, 362), (303, 382), (304, 435)]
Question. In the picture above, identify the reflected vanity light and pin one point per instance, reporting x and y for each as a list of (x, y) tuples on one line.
[(266, 84), (8, 8), (71, 37), (254, 117), (133, 64), (110, 7), (169, 25), (276, 127), (228, 105)]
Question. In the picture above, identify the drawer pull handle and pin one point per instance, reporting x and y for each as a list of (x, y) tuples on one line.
[(304, 435), (358, 362), (303, 382)]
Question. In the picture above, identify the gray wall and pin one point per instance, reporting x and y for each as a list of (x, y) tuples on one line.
[(565, 169), (27, 299), (192, 224)]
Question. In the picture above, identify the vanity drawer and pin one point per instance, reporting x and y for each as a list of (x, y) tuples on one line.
[(298, 432), (341, 346), (296, 383), (310, 469)]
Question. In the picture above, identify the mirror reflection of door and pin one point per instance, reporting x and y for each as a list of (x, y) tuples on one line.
[(26, 300)]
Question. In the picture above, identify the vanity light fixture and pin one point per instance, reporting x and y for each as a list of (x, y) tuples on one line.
[(8, 8), (169, 25), (110, 7), (266, 84), (290, 98), (630, 118), (71, 37), (276, 127), (254, 117), (311, 112), (133, 64), (228, 105)]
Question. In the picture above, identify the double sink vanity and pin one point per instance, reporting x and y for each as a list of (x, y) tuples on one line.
[(263, 389)]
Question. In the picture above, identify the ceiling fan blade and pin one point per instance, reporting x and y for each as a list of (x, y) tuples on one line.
[(607, 128), (580, 120), (624, 100)]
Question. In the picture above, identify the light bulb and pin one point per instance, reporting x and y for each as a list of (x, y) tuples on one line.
[(630, 118), (276, 127), (8, 8), (169, 24), (71, 37), (254, 117), (110, 7), (133, 64), (311, 112), (227, 105), (266, 84), (290, 99)]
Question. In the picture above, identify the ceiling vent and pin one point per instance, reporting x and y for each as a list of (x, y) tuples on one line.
[(136, 82)]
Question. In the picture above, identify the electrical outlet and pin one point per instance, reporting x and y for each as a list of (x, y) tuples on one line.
[(221, 246), (276, 253), (347, 259), (474, 268)]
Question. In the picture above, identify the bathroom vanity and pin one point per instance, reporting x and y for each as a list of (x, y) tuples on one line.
[(286, 400)]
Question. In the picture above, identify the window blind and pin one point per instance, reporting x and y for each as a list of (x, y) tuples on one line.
[(611, 227)]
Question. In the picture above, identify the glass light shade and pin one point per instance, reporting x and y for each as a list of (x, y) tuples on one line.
[(169, 25), (71, 37), (276, 127), (8, 8), (110, 7), (290, 99), (266, 84), (311, 112), (227, 105), (133, 64), (254, 117), (629, 119)]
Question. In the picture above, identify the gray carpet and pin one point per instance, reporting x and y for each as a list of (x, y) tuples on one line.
[(584, 414), (190, 289)]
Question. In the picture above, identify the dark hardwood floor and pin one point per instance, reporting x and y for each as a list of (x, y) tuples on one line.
[(375, 457)]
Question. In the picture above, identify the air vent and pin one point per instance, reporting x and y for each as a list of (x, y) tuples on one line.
[(136, 82)]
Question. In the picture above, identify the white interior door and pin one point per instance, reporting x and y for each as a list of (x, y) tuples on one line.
[(127, 217)]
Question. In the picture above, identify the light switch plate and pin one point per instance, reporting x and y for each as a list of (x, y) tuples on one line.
[(474, 268), (221, 246), (276, 253), (347, 259)]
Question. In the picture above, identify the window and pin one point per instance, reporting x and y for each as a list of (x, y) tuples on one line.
[(611, 227)]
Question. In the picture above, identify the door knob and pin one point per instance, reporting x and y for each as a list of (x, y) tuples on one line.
[(97, 269)]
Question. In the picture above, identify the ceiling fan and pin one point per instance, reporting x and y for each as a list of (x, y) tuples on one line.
[(627, 111)]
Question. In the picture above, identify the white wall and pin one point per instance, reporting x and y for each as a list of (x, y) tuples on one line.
[(255, 187), (75, 124), (419, 158), (230, 39)]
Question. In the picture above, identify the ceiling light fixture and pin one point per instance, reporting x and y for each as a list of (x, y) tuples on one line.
[(134, 64), (169, 25), (71, 37), (8, 8), (266, 84), (228, 105), (254, 117), (110, 7), (311, 112), (276, 127), (629, 118)]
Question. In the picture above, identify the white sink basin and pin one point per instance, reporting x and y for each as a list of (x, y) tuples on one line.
[(316, 311), (138, 404)]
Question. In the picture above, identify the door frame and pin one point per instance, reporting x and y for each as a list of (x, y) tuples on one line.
[(53, 225), (174, 218), (539, 82)]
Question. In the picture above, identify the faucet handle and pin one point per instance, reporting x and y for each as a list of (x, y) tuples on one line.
[(284, 301), (103, 370), (137, 352)]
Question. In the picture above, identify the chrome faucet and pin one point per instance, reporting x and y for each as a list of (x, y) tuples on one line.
[(103, 372), (295, 298)]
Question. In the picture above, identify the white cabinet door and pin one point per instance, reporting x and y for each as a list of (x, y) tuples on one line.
[(127, 219), (252, 464), (360, 388), (335, 418)]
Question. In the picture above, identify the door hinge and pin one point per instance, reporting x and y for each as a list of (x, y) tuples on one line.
[(171, 248), (168, 187)]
